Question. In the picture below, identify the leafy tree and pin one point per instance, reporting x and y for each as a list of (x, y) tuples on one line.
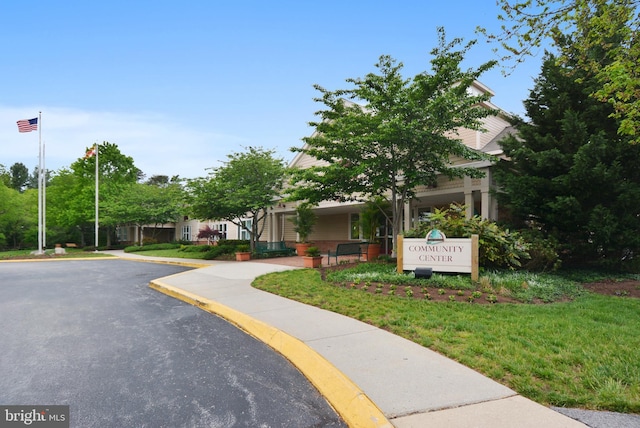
[(570, 174), (5, 177), (144, 204), (402, 137), (116, 173), (32, 181), (163, 180), (607, 27), (18, 217), (19, 176), (64, 222), (209, 234), (244, 188)]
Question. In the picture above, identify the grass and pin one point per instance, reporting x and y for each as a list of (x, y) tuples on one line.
[(71, 253), (521, 286), (579, 353), (582, 353), (175, 253)]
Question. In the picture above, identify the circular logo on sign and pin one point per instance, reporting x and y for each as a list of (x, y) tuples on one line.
[(435, 237)]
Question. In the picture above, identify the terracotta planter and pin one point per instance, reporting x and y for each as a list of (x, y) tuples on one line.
[(301, 247), (373, 252), (312, 262), (243, 256)]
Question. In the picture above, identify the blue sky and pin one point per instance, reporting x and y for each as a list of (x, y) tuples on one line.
[(179, 85)]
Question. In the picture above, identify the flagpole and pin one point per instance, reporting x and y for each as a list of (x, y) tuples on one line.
[(44, 194), (40, 182), (95, 146)]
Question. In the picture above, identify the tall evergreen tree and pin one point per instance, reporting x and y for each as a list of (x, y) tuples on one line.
[(570, 173), (19, 176)]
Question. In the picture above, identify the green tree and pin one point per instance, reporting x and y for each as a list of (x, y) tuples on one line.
[(64, 221), (19, 176), (117, 172), (570, 174), (144, 204), (32, 181), (609, 28), (18, 217), (5, 176), (243, 189), (163, 180), (402, 136)]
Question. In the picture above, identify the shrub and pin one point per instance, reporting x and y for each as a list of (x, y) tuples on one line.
[(166, 246), (312, 252), (149, 241), (543, 252), (219, 250), (499, 248), (194, 248)]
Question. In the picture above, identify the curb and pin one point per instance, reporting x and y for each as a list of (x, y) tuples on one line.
[(351, 403)]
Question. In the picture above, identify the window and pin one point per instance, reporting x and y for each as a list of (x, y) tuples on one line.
[(222, 228), (354, 226), (424, 214), (186, 232), (122, 233), (244, 234)]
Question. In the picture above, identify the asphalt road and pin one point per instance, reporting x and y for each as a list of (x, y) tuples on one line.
[(92, 335)]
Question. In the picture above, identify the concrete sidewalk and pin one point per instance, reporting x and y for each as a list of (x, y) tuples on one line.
[(373, 378)]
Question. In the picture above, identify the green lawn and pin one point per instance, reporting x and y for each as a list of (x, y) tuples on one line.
[(173, 253), (579, 353), (70, 254), (583, 353)]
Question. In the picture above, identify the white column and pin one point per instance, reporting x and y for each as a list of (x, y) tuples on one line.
[(468, 197)]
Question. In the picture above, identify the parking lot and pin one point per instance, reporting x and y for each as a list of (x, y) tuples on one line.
[(92, 335)]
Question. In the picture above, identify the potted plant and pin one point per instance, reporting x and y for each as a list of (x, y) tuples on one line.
[(303, 224), (242, 253), (371, 217), (312, 258)]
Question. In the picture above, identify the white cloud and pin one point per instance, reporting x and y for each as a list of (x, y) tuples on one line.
[(158, 144)]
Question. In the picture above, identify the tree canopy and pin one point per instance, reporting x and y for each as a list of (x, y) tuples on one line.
[(19, 176), (604, 44), (71, 195), (570, 174), (18, 217), (240, 191), (387, 135), (144, 204)]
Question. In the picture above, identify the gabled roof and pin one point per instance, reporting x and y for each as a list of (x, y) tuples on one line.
[(493, 147), (301, 160)]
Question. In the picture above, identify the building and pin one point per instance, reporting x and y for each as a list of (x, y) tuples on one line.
[(338, 221)]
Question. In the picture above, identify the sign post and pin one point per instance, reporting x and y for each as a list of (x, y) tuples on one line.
[(441, 254)]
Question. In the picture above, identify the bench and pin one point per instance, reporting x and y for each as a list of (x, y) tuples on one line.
[(70, 245), (274, 249), (349, 249)]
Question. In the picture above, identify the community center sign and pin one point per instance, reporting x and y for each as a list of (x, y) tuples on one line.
[(439, 253)]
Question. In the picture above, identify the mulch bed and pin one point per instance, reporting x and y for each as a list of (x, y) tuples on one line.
[(628, 288), (432, 293), (615, 288)]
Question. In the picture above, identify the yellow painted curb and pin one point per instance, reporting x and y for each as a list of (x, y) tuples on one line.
[(351, 403), (166, 262), (110, 257)]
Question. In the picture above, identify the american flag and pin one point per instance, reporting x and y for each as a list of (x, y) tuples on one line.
[(28, 125)]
